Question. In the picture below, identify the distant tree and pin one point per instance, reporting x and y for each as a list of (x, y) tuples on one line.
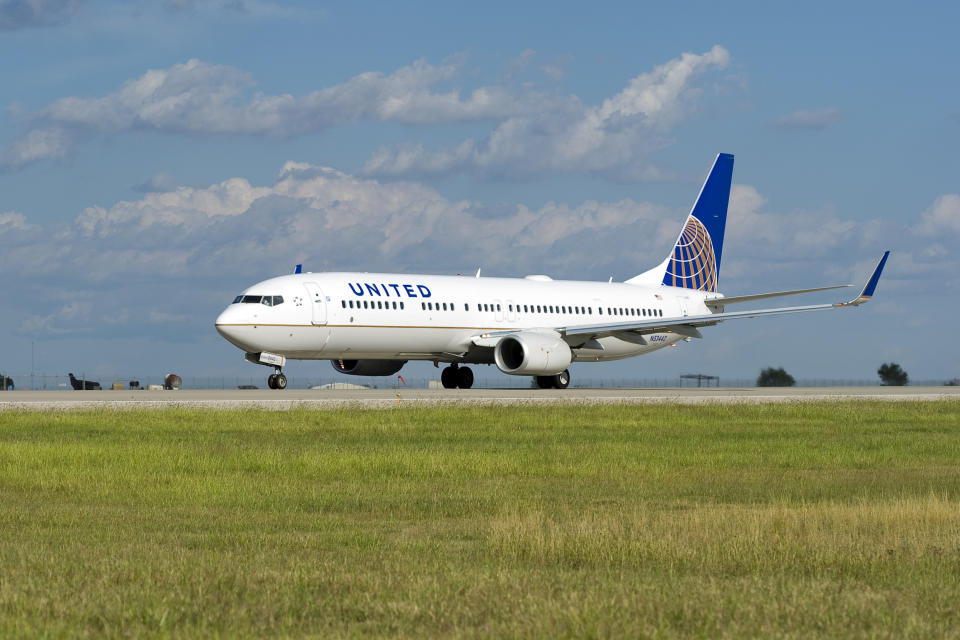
[(952, 382), (771, 377), (891, 375)]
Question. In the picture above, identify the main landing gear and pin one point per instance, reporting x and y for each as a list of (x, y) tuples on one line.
[(277, 380), (455, 376), (559, 381)]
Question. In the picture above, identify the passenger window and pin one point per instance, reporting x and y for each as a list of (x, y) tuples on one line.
[(466, 306), (343, 303), (498, 308)]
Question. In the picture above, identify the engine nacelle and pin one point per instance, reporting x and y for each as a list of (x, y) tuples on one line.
[(368, 367), (532, 353)]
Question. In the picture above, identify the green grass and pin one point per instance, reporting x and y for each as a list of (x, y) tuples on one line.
[(829, 519)]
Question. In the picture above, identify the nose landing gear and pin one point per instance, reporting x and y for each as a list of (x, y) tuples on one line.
[(277, 380), (455, 376)]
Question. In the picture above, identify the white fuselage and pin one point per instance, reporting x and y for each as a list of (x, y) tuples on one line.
[(428, 317)]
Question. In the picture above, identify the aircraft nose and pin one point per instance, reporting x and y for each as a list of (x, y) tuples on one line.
[(228, 322)]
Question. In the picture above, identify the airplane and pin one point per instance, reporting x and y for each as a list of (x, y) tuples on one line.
[(371, 324)]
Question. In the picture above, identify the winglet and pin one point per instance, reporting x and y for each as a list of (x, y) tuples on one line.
[(871, 286)]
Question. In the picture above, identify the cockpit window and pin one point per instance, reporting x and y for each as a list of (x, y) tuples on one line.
[(251, 299), (237, 299), (277, 300)]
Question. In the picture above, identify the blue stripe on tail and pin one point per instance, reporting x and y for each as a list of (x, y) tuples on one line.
[(695, 261)]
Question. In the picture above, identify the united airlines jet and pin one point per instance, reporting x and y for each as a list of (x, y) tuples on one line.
[(371, 324)]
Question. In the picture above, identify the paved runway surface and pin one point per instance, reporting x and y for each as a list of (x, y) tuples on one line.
[(387, 398)]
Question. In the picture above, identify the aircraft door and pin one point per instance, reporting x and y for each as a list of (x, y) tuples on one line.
[(498, 313), (682, 301), (318, 304)]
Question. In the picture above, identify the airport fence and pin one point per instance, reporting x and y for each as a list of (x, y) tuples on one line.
[(59, 381)]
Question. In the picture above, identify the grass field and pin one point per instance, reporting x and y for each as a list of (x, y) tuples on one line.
[(831, 519)]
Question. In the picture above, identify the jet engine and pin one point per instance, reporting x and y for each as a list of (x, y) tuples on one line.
[(368, 367), (532, 353)]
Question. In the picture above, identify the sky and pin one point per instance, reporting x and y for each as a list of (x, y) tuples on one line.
[(157, 158)]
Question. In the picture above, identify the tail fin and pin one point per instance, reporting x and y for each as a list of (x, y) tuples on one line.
[(694, 262)]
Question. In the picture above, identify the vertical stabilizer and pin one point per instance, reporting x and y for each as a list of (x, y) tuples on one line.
[(694, 262)]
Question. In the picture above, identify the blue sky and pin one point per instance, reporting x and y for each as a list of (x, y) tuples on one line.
[(156, 158)]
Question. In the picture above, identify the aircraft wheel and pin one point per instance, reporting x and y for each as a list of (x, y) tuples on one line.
[(272, 381), (464, 377), (545, 382), (448, 377), (281, 381), (562, 379)]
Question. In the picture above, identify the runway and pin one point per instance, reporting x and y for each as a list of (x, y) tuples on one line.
[(393, 398)]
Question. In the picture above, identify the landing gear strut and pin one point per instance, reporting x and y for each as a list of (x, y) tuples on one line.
[(558, 381), (277, 380), (455, 376)]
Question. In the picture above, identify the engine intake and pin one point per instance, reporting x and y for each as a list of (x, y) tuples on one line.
[(531, 353), (368, 367)]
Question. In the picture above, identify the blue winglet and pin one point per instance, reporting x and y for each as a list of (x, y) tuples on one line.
[(868, 290), (299, 269)]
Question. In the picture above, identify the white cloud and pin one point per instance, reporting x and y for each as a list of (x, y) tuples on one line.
[(39, 144), (160, 182), (198, 97), (12, 221), (942, 216), (814, 119), (171, 254), (535, 131), (562, 134)]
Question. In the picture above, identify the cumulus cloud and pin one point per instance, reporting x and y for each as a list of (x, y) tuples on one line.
[(563, 134), (803, 119), (201, 98), (158, 183), (534, 131), (943, 216), (172, 259), (25, 14), (12, 221), (39, 144)]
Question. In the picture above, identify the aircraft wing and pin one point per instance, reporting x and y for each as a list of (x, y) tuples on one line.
[(688, 326), (722, 302)]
